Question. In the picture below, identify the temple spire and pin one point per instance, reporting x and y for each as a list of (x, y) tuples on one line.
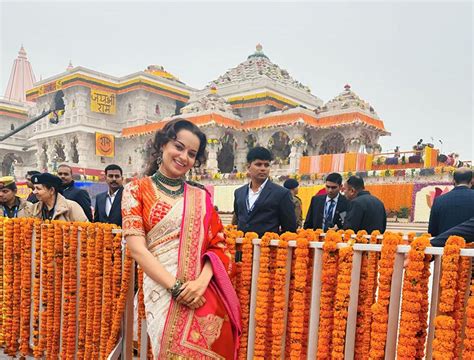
[(22, 78)]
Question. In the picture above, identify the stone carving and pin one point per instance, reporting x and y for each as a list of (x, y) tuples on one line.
[(258, 65), (209, 102), (345, 100)]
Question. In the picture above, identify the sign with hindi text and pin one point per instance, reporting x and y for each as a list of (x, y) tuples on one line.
[(102, 102), (104, 145)]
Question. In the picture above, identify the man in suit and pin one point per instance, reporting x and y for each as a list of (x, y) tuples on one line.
[(366, 212), (454, 207), (328, 210), (465, 230), (293, 185), (72, 192), (108, 205), (262, 206)]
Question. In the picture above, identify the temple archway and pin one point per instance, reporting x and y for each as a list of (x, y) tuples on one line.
[(225, 156), (280, 147), (333, 143)]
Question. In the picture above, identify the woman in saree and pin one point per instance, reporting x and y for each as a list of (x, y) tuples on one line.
[(176, 237)]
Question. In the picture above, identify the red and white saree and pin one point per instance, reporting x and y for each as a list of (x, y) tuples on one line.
[(182, 235)]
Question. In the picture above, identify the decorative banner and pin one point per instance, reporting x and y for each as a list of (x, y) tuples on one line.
[(104, 145), (424, 197), (102, 102)]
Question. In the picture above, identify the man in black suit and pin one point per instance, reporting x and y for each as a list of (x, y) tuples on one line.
[(262, 206), (108, 205), (327, 211), (454, 207), (366, 212), (465, 230), (72, 192)]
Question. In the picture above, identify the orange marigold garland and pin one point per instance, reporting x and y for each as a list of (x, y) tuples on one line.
[(410, 325), (117, 316), (117, 270), (423, 314), (460, 302), (70, 341), (341, 302), (468, 352), (91, 273), (27, 230), (66, 291), (262, 297), (18, 236), (445, 342), (279, 294), (328, 291), (362, 306), (449, 275), (107, 290), (297, 315), (48, 302), (380, 308), (270, 293), (8, 283), (1, 280), (58, 272), (99, 263), (83, 293), (243, 291), (36, 287)]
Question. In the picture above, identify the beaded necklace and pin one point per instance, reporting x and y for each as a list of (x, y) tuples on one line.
[(159, 179)]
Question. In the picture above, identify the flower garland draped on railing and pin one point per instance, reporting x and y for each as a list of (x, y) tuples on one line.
[(44, 311)]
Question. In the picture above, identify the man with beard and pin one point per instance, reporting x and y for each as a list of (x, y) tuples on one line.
[(71, 192), (108, 204)]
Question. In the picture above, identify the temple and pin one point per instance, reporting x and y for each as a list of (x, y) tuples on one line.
[(256, 102)]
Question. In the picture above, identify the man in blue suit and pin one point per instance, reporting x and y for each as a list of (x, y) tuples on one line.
[(108, 205), (454, 207), (262, 206)]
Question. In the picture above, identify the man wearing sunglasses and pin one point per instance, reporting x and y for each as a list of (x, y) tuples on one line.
[(327, 211)]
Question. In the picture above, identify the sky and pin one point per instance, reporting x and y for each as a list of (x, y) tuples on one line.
[(412, 61)]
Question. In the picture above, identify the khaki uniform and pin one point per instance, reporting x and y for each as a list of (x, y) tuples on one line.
[(22, 208), (298, 211), (66, 210)]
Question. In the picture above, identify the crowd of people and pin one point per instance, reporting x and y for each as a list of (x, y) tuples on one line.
[(175, 235)]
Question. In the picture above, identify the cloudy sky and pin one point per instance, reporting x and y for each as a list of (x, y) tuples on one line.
[(411, 61)]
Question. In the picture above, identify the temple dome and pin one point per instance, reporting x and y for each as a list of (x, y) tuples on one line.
[(258, 66), (210, 101), (346, 100), (21, 79), (158, 70)]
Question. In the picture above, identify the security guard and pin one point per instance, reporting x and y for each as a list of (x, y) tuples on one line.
[(52, 205), (11, 205)]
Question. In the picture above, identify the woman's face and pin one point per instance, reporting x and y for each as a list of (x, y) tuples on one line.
[(42, 193), (179, 155)]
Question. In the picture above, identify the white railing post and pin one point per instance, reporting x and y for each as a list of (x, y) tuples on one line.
[(315, 304), (353, 304), (433, 305), (287, 297), (394, 307), (253, 298)]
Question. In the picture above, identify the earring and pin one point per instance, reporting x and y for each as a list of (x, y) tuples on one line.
[(159, 160)]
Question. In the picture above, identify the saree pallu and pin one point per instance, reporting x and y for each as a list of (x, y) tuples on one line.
[(189, 234)]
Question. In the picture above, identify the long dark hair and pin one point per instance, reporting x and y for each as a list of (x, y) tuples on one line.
[(168, 133)]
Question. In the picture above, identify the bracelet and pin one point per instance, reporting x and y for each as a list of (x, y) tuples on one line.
[(175, 290)]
